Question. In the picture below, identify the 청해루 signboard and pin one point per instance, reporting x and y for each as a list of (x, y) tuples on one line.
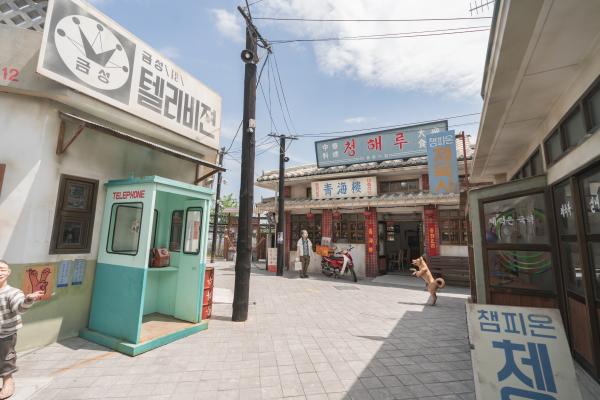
[(87, 51), (391, 144), (520, 353), (443, 165), (344, 188)]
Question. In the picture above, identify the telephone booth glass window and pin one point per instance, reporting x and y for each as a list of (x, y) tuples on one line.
[(193, 224), (176, 229), (124, 229)]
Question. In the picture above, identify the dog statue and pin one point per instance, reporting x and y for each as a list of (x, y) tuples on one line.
[(422, 271)]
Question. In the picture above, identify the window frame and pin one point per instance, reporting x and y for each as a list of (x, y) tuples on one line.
[(388, 184), (187, 210), (358, 219), (311, 228), (180, 230), (111, 232), (461, 227), (86, 216)]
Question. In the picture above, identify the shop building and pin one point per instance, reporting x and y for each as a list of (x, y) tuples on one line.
[(386, 212), (536, 232), (64, 136)]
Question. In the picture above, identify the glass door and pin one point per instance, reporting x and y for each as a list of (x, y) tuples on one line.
[(571, 261)]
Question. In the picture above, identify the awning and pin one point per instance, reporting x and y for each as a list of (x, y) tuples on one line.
[(104, 128), (383, 200)]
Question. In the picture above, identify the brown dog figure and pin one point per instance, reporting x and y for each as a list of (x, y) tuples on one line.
[(422, 271)]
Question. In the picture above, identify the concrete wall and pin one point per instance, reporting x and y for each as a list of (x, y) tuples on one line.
[(28, 199)]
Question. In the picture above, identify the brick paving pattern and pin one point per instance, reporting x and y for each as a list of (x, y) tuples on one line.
[(305, 339)]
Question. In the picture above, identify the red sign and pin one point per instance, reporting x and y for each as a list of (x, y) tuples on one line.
[(129, 194), (431, 232)]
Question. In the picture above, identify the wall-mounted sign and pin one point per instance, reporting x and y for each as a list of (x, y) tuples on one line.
[(443, 165), (391, 144), (78, 272), (87, 51), (431, 232), (272, 259), (64, 273), (344, 188), (530, 353)]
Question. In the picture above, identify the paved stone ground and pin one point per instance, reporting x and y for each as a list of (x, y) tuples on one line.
[(304, 339)]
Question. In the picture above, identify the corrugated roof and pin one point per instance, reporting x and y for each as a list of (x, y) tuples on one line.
[(313, 169)]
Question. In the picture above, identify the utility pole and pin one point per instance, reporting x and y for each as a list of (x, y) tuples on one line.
[(243, 260), (281, 203), (216, 216)]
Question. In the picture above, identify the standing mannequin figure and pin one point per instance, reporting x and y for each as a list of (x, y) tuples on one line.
[(304, 248)]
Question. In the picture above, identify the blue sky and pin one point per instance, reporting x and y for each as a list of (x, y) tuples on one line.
[(329, 86)]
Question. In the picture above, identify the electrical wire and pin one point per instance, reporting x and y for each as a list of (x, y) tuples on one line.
[(254, 2), (368, 20), (385, 127), (242, 121), (280, 104), (405, 35), (283, 92)]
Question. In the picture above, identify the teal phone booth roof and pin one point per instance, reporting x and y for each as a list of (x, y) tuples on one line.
[(136, 307)]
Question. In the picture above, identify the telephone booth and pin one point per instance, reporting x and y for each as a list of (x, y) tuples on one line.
[(137, 307)]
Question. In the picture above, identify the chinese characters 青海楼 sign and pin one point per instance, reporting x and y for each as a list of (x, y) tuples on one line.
[(443, 166), (86, 51), (392, 144), (343, 188), (530, 353)]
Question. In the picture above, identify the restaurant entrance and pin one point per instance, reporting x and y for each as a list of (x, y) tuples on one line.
[(399, 243)]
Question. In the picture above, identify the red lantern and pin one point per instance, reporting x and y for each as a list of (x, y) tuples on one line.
[(337, 214), (367, 213), (310, 215)]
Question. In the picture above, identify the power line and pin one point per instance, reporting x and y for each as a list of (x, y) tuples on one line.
[(253, 3), (385, 127), (368, 20), (283, 92), (281, 105), (380, 37)]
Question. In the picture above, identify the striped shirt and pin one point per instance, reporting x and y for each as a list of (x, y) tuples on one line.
[(12, 305)]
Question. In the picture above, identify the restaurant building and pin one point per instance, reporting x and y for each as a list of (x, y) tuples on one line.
[(384, 209), (536, 233), (72, 118)]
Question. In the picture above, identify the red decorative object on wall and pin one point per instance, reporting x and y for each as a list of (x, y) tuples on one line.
[(432, 231), (372, 266)]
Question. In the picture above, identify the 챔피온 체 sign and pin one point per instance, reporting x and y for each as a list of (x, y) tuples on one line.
[(391, 144), (87, 51), (443, 165), (520, 353), (344, 188)]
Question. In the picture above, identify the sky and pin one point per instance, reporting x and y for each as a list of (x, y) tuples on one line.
[(327, 86)]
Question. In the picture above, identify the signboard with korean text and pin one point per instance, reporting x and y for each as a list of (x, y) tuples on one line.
[(431, 232), (391, 144), (344, 188), (87, 51), (443, 165), (520, 353)]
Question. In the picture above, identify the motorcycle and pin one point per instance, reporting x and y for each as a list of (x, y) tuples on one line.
[(340, 265)]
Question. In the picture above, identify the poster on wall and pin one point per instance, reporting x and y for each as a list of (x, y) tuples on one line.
[(532, 359), (442, 161), (78, 272), (272, 259), (89, 52), (64, 272), (431, 232), (39, 278)]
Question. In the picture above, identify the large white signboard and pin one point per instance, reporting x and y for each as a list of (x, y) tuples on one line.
[(344, 188), (520, 353), (87, 51)]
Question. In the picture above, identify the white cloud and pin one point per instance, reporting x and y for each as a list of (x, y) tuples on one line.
[(449, 64), (356, 120), (228, 25), (171, 52)]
